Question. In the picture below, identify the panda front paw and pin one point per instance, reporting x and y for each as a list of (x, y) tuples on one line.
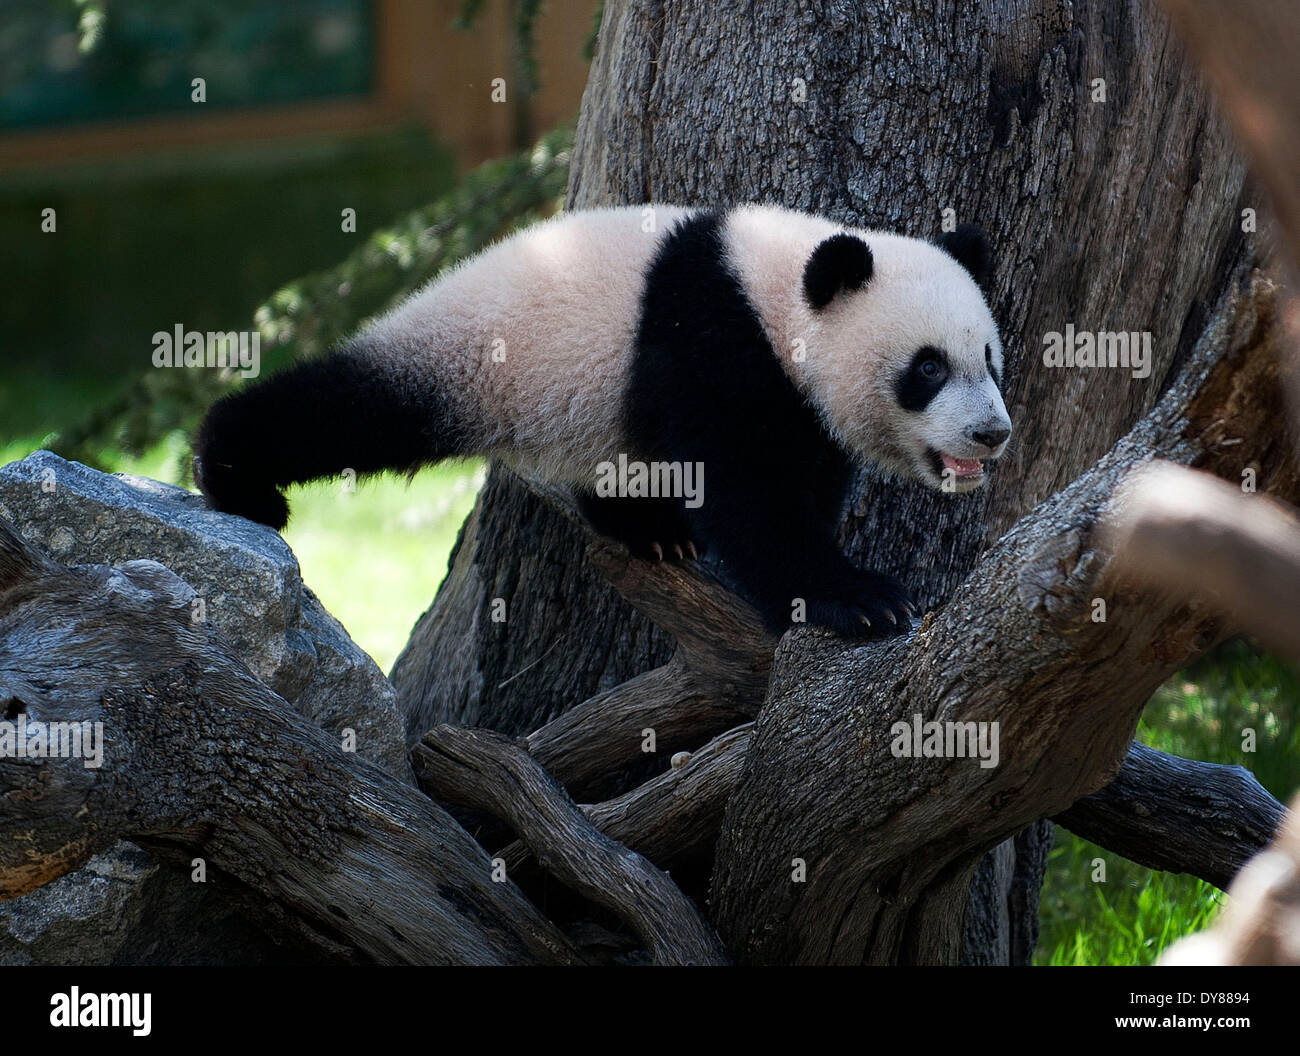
[(870, 605), (657, 551), (653, 529)]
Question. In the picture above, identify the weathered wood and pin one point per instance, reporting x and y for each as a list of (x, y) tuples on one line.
[(1161, 811), (891, 842), (1179, 815), (568, 634), (199, 755), (672, 817), (601, 736), (715, 680), (1181, 531), (491, 772)]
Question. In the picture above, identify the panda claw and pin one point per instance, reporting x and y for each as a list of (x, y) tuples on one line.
[(695, 554), (658, 551), (677, 552)]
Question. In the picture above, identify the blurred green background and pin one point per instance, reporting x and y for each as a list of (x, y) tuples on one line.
[(163, 217), (247, 234), (63, 61)]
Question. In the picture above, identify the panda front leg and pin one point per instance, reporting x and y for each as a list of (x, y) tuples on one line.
[(653, 529), (777, 549)]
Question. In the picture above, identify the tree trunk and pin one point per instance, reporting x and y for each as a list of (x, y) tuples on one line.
[(1114, 213), (567, 634)]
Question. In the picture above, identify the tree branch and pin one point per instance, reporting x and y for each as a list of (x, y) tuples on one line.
[(676, 815), (1261, 924), (715, 680), (491, 772), (1179, 815), (1248, 49), (1193, 535)]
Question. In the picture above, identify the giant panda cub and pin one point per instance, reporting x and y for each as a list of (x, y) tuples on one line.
[(775, 350)]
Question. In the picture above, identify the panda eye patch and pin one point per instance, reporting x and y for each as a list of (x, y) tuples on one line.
[(988, 363), (923, 378)]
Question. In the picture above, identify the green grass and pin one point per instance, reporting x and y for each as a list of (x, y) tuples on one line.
[(1202, 713), (1205, 711), (165, 461), (376, 556), (1128, 919)]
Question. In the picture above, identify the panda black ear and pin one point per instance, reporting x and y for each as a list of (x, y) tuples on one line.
[(970, 248), (842, 262)]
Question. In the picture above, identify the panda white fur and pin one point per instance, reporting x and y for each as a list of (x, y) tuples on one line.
[(776, 349)]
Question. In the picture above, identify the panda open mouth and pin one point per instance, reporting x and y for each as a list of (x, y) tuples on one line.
[(962, 469)]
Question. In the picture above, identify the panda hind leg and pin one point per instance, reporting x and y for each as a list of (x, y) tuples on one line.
[(653, 529)]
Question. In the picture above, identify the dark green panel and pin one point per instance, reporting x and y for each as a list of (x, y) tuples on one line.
[(146, 53)]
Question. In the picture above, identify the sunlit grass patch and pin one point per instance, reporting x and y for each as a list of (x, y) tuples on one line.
[(376, 556)]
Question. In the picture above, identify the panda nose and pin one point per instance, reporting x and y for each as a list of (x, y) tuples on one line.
[(991, 437)]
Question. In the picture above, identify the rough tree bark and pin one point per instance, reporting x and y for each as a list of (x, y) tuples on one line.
[(201, 756), (1113, 212)]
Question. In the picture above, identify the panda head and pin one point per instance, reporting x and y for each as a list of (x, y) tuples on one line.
[(903, 356)]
